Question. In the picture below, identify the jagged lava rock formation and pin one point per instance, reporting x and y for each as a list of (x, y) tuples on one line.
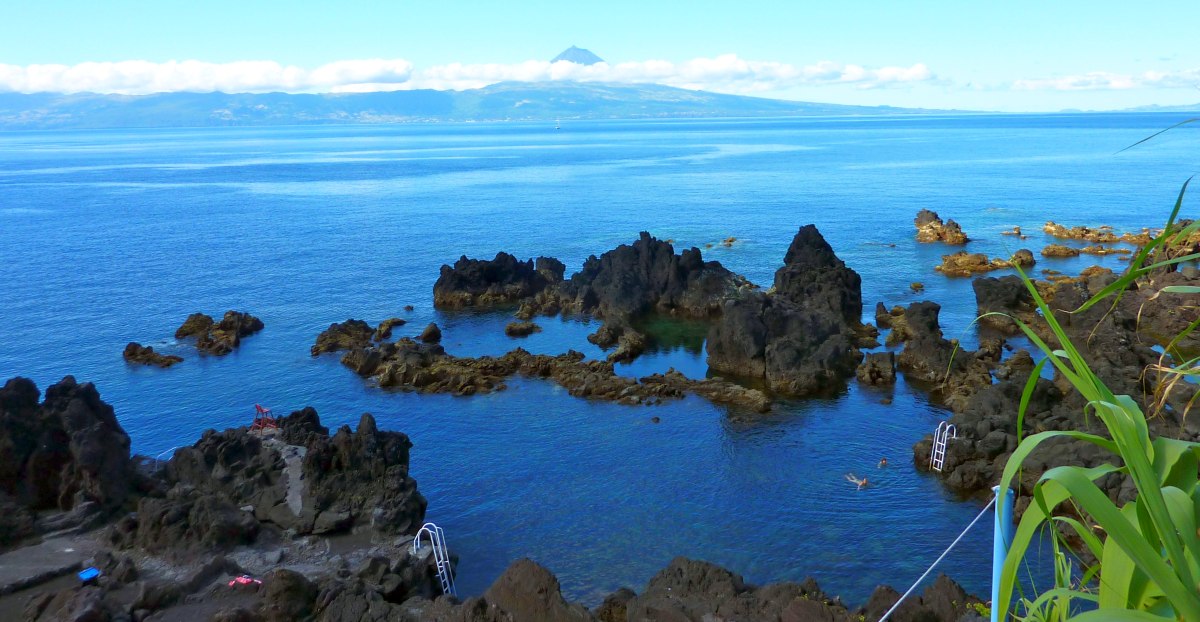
[(800, 338)]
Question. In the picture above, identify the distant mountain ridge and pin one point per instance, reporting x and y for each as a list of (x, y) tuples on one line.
[(505, 101), (578, 55)]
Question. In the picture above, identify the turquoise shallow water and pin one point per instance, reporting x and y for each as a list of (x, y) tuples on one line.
[(116, 236)]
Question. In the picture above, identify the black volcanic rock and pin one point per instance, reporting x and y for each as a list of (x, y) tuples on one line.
[(499, 281), (800, 338), (354, 478), (647, 276), (68, 450)]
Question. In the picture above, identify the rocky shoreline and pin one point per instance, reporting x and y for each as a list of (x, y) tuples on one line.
[(321, 523)]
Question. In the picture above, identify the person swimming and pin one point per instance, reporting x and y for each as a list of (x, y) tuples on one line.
[(882, 462), (861, 483)]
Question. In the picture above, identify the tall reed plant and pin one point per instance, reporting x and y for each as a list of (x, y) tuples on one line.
[(1147, 551)]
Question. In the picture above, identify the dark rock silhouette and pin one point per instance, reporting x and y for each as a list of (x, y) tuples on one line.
[(801, 338), (500, 281)]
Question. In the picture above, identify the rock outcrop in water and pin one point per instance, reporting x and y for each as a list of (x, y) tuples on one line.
[(800, 338), (930, 228), (145, 355), (68, 453), (219, 338), (963, 263), (619, 287), (427, 368), (504, 280)]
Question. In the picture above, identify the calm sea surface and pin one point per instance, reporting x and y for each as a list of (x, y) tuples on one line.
[(108, 237)]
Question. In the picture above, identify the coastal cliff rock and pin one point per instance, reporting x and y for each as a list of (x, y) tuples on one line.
[(930, 228), (145, 355), (800, 338), (67, 453), (328, 484), (503, 280), (219, 338)]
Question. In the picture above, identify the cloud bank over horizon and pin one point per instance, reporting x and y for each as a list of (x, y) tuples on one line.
[(727, 73)]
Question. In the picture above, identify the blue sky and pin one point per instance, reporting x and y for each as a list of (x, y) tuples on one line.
[(1015, 55)]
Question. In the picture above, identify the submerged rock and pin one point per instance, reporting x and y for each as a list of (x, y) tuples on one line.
[(521, 329)]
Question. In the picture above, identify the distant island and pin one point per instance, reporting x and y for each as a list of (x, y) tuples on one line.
[(505, 101)]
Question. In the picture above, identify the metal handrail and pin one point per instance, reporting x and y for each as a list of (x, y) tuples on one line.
[(441, 555), (937, 456)]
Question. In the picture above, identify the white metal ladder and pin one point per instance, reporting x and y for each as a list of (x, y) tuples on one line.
[(945, 431), (441, 555)]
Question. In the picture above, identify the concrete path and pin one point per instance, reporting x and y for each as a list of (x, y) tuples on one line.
[(31, 565)]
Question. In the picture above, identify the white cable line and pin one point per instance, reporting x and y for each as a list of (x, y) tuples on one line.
[(936, 561)]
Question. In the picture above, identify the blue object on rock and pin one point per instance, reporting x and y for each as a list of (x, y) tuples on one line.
[(89, 574)]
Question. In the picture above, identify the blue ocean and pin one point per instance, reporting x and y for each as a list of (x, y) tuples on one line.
[(108, 237)]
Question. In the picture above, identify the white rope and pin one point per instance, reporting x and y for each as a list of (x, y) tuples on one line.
[(938, 560)]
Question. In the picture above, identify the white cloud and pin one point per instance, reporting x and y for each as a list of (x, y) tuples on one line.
[(726, 73), (1103, 80), (140, 77)]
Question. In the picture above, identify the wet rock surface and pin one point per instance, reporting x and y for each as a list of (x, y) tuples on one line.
[(800, 338), (930, 228), (219, 338), (963, 263), (145, 355), (427, 368)]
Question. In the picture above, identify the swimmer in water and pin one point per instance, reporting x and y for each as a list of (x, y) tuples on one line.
[(882, 462), (861, 483)]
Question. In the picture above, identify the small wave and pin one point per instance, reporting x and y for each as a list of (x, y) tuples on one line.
[(23, 211)]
